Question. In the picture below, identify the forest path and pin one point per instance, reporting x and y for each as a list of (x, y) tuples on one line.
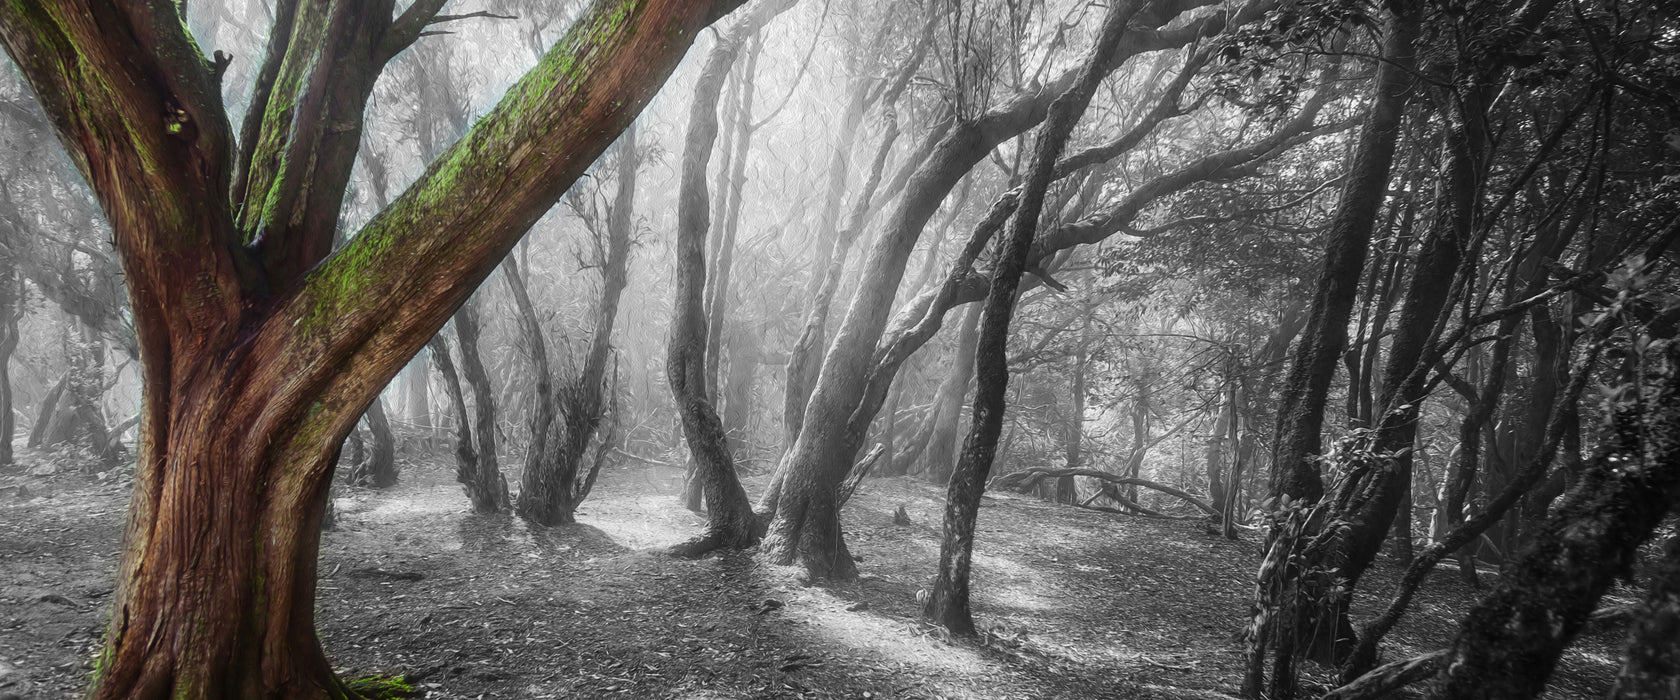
[(1076, 603)]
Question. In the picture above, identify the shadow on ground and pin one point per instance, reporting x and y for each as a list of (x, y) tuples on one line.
[(1075, 604)]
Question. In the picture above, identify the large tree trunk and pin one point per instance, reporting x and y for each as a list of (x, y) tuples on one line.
[(948, 602), (1511, 640), (730, 519), (260, 346)]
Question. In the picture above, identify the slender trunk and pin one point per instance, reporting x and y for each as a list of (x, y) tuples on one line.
[(942, 447), (805, 358), (48, 409), (1301, 407), (559, 469), (11, 310), (466, 458), (1074, 431), (380, 469), (730, 519), (948, 602), (419, 408), (485, 486), (733, 177)]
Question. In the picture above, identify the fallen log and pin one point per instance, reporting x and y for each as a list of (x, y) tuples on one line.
[(1024, 482)]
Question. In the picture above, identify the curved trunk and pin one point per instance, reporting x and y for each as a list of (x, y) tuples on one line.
[(730, 519), (948, 602), (1300, 416)]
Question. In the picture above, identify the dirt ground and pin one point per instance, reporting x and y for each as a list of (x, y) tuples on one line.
[(1077, 604)]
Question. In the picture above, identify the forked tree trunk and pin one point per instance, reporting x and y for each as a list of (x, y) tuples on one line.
[(948, 602), (559, 469), (260, 347)]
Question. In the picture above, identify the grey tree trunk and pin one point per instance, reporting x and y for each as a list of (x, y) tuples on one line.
[(948, 602), (730, 519)]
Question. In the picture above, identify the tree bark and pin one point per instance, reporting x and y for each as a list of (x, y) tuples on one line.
[(1295, 472), (730, 519), (259, 350), (1510, 642), (11, 311), (806, 526), (47, 410), (559, 469), (466, 457), (1651, 664), (948, 602), (942, 447), (381, 466), (485, 486)]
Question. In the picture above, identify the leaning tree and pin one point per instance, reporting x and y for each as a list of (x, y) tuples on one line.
[(260, 345)]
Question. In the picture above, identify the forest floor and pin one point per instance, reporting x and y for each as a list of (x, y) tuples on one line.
[(1076, 603)]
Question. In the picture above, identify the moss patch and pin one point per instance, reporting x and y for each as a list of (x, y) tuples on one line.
[(379, 687)]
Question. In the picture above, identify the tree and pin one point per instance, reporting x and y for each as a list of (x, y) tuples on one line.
[(947, 604), (568, 418), (858, 368), (259, 349), (730, 518), (1301, 408), (1511, 640)]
